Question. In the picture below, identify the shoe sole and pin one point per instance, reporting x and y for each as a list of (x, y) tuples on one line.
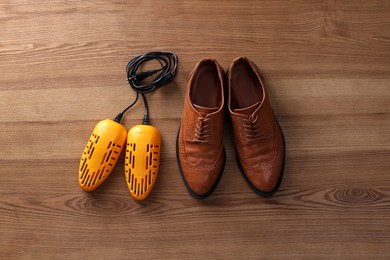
[(193, 194), (276, 188)]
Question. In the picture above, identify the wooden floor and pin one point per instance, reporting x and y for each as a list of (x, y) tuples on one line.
[(327, 68)]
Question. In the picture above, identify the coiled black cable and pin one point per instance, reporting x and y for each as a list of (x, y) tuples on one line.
[(168, 66)]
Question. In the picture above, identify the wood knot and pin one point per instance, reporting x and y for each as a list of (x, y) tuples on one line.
[(97, 205), (356, 196)]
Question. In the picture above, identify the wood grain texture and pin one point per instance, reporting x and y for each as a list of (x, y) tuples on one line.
[(327, 70)]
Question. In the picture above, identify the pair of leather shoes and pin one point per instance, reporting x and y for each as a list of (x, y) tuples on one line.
[(258, 137)]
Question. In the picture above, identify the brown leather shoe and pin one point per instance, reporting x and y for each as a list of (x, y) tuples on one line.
[(259, 139), (199, 145)]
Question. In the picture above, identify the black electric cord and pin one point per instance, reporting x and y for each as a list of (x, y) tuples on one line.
[(118, 118), (145, 120), (168, 62)]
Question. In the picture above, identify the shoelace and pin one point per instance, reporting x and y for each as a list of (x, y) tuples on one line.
[(252, 129), (201, 129)]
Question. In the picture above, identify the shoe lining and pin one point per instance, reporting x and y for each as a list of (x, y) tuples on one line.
[(245, 86), (206, 86)]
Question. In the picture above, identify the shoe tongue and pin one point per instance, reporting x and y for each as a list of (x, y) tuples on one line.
[(248, 110), (205, 110)]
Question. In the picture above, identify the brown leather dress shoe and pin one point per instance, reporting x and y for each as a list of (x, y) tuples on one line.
[(259, 139), (199, 146)]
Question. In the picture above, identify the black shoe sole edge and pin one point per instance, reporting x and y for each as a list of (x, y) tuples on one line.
[(276, 188), (193, 194)]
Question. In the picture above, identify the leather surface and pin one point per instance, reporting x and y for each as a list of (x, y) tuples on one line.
[(200, 141), (257, 136)]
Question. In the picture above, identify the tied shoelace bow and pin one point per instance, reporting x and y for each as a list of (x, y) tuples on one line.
[(201, 129), (252, 129)]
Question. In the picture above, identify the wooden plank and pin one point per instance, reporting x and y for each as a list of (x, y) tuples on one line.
[(327, 70)]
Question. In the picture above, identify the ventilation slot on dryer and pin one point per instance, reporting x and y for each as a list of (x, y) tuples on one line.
[(141, 168)]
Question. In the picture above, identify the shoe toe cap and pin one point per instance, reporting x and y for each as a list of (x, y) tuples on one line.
[(264, 179), (201, 180)]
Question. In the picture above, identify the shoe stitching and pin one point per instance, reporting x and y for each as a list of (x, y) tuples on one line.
[(264, 165), (199, 164)]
